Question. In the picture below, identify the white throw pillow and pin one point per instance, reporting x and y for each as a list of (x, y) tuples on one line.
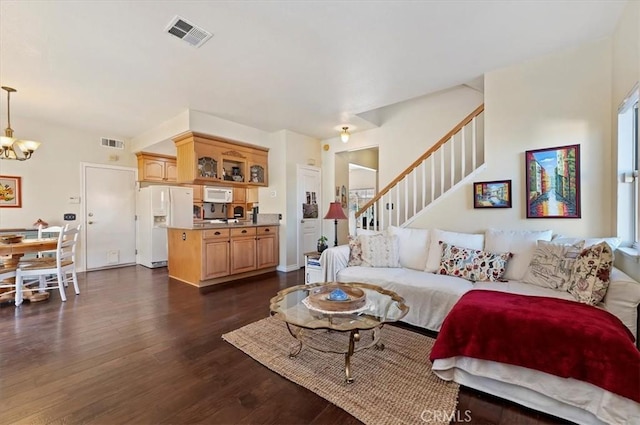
[(463, 240), (413, 246), (613, 242), (552, 264), (520, 243), (379, 251)]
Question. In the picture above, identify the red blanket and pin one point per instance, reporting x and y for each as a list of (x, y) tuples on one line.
[(559, 337)]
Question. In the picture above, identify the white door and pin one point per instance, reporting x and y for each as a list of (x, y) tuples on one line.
[(310, 210), (110, 200)]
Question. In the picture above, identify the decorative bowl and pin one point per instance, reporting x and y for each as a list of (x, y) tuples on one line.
[(11, 238), (335, 297)]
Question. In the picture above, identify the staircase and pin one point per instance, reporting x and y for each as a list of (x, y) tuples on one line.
[(446, 165)]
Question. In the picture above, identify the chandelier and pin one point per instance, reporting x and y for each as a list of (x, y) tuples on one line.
[(10, 147)]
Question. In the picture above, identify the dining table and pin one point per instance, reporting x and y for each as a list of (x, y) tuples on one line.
[(11, 253)]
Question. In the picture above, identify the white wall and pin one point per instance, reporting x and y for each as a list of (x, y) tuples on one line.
[(555, 100), (53, 175), (406, 131), (362, 179), (626, 73)]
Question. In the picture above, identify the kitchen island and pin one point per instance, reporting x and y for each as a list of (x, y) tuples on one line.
[(208, 254)]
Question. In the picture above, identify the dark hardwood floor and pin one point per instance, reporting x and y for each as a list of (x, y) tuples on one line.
[(135, 347)]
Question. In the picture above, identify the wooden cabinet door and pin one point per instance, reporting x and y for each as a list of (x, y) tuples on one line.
[(216, 259), (239, 195), (153, 170), (267, 250), (171, 171), (197, 193), (243, 254)]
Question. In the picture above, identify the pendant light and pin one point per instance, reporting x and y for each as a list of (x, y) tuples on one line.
[(10, 147)]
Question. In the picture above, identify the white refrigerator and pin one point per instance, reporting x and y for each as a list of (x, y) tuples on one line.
[(159, 207)]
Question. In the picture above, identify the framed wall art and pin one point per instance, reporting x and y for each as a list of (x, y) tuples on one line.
[(10, 192), (493, 194), (553, 182)]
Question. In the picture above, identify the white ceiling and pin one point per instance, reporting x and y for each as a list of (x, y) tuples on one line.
[(307, 66)]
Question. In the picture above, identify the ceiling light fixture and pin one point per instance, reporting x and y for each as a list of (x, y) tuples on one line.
[(10, 147), (344, 134)]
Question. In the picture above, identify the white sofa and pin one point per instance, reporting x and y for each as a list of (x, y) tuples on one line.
[(431, 296)]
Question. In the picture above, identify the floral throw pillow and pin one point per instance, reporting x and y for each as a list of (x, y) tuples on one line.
[(380, 251), (355, 251), (472, 264), (552, 264), (591, 272)]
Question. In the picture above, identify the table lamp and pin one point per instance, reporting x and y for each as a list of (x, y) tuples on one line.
[(335, 213)]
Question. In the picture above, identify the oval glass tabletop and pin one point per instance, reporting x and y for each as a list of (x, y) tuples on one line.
[(295, 306)]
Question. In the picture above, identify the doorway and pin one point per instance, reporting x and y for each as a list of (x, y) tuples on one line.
[(109, 194), (309, 209), (358, 170)]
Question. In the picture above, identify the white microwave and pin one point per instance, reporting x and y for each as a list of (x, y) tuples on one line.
[(217, 194)]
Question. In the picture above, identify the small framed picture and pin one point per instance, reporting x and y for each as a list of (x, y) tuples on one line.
[(10, 192), (494, 194)]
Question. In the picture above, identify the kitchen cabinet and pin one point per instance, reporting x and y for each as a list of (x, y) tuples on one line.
[(197, 193), (156, 168), (266, 246), (243, 249), (209, 160), (239, 195), (216, 253), (208, 256)]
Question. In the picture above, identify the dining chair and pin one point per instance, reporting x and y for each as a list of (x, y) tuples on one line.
[(60, 266), (7, 273), (50, 231)]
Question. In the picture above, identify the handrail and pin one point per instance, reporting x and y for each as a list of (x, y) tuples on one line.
[(424, 156)]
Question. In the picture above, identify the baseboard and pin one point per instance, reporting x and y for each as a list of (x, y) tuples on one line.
[(289, 268)]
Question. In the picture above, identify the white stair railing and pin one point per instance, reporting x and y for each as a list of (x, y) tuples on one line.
[(440, 169)]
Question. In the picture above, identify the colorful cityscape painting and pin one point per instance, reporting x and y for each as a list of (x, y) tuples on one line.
[(495, 194), (553, 182)]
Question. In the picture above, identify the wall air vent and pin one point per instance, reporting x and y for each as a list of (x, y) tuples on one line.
[(188, 32), (111, 143)]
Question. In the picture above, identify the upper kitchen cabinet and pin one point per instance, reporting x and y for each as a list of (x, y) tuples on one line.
[(204, 159), (156, 168)]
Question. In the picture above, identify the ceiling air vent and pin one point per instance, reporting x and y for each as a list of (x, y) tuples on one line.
[(188, 32), (112, 143)]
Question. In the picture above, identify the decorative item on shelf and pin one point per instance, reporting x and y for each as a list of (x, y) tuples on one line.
[(40, 222), (10, 147), (344, 134), (322, 244), (335, 213)]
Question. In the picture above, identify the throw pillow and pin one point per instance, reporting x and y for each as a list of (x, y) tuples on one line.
[(413, 246), (613, 241), (552, 264), (355, 251), (379, 251), (591, 274), (472, 264), (466, 240), (520, 243)]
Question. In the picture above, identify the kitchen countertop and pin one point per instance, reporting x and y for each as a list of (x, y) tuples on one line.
[(204, 226)]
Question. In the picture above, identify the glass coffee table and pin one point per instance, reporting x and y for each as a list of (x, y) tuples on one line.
[(305, 310)]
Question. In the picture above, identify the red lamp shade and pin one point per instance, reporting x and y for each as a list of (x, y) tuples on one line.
[(335, 213)]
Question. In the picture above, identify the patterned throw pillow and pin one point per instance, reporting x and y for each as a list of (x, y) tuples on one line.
[(472, 264), (380, 251), (355, 251), (552, 264), (591, 272)]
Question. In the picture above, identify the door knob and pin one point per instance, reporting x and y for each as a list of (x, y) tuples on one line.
[(90, 214), (90, 222)]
